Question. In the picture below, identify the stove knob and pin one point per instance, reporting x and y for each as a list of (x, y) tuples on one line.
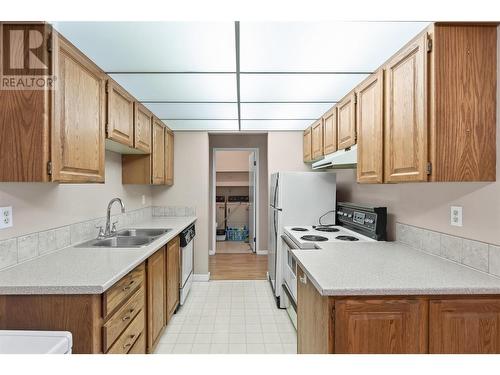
[(345, 214), (350, 215)]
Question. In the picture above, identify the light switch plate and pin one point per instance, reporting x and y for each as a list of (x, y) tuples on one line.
[(456, 216), (5, 217)]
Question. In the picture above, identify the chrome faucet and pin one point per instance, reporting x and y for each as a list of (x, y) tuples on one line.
[(110, 230)]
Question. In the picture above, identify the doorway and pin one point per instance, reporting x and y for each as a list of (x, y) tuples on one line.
[(235, 197)]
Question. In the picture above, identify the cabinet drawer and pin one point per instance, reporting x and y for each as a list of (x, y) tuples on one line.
[(118, 321), (140, 345), (129, 336), (122, 290)]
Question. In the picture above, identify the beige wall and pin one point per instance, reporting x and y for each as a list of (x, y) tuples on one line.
[(41, 206), (232, 161), (285, 152), (190, 188), (246, 141)]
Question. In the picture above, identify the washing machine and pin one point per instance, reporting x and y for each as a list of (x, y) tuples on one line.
[(220, 217), (237, 207)]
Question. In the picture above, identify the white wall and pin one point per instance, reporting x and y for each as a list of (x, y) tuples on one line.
[(285, 152), (190, 188), (42, 206)]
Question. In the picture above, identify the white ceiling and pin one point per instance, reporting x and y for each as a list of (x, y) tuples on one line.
[(290, 73)]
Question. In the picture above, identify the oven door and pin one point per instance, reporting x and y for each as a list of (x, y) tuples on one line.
[(289, 286)]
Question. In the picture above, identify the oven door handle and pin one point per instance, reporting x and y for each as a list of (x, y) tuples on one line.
[(289, 242)]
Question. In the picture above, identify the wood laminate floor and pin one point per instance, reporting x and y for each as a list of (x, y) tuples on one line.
[(233, 247), (238, 267)]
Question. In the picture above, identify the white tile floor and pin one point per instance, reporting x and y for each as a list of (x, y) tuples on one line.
[(229, 317)]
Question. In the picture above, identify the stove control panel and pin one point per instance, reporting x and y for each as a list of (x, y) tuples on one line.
[(370, 221)]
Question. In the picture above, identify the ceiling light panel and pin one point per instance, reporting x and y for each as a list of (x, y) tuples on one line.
[(194, 110), (154, 46), (283, 110), (274, 125), (179, 87), (202, 125), (297, 87), (322, 46)]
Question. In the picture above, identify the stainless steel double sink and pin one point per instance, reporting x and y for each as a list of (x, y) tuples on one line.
[(127, 238)]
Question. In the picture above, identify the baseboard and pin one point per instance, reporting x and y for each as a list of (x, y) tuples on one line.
[(201, 276), (211, 252), (261, 252)]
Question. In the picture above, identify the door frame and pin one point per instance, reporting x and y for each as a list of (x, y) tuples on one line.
[(214, 193)]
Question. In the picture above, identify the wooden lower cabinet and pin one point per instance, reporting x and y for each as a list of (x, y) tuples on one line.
[(464, 326), (155, 298), (395, 325), (314, 318), (375, 326), (173, 277)]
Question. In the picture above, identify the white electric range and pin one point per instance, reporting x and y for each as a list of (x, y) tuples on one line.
[(311, 237), (358, 224)]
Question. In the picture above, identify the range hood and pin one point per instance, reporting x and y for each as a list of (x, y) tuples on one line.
[(343, 159)]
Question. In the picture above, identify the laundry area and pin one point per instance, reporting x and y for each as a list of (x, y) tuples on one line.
[(235, 212)]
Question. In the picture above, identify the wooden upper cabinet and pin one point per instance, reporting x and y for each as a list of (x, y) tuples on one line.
[(469, 326), (346, 122), (369, 123), (463, 102), (173, 276), (143, 124), (330, 131), (317, 140), (371, 326), (156, 293), (120, 114), (78, 130), (169, 157), (405, 114), (314, 318), (307, 155), (158, 159)]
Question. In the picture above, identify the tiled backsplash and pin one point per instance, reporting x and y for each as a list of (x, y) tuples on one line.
[(479, 255), (159, 211), (19, 249)]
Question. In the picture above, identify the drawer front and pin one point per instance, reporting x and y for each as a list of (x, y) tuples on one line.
[(122, 290), (139, 346), (128, 338), (121, 319)]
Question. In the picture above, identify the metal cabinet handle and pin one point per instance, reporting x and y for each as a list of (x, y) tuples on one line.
[(128, 317), (303, 279)]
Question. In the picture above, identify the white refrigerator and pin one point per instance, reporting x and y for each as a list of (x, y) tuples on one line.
[(296, 198)]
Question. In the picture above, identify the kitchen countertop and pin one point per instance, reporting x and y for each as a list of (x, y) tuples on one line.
[(388, 268), (85, 270)]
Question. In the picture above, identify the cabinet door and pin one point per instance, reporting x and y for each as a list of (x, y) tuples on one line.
[(346, 122), (173, 276), (78, 128), (155, 297), (158, 159), (464, 326), (371, 326), (369, 122), (142, 135), (405, 114), (307, 146), (169, 157), (314, 318), (120, 114), (330, 131), (317, 140)]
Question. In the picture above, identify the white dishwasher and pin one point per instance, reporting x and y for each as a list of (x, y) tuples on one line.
[(35, 342), (187, 260)]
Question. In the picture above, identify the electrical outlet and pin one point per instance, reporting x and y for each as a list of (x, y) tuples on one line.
[(5, 217), (143, 199), (456, 216)]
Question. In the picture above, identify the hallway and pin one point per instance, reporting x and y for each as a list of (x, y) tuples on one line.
[(237, 266)]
